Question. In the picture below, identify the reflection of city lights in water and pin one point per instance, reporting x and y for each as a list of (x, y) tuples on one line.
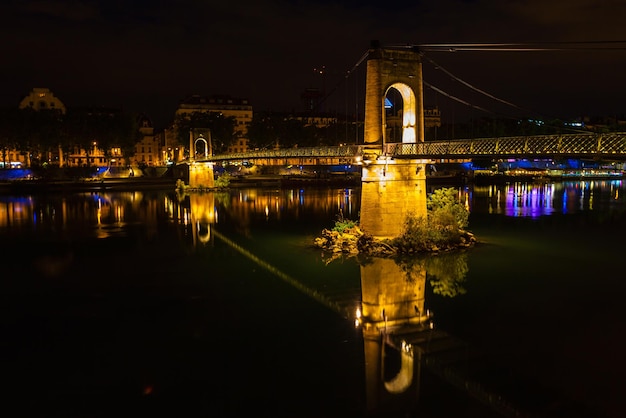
[(523, 199), (534, 199), (106, 209)]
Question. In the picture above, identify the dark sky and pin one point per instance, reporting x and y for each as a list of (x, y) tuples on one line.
[(148, 55)]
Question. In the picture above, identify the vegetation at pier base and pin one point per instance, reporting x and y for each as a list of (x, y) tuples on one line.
[(223, 181), (442, 229), (181, 186), (342, 225)]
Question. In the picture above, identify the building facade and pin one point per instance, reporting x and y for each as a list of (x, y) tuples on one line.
[(239, 109), (39, 98), (42, 99), (149, 151)]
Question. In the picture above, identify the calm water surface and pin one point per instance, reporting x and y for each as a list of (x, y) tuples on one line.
[(148, 303)]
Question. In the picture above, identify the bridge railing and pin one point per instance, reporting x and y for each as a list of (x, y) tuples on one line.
[(584, 144), (608, 145), (348, 151)]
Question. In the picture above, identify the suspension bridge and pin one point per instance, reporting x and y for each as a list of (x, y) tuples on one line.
[(398, 68), (393, 173), (609, 146)]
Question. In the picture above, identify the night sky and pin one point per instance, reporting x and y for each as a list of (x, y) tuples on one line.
[(146, 56)]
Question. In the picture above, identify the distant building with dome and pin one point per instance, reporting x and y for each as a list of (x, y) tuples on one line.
[(42, 99)]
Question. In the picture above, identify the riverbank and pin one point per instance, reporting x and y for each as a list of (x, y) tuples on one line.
[(28, 186)]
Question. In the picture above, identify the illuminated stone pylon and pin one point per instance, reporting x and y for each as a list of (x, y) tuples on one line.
[(399, 69), (392, 188)]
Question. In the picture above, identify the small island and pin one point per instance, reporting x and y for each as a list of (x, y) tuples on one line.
[(442, 229)]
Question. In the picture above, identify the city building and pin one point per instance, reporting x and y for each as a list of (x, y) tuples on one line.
[(42, 99), (95, 155), (149, 151), (79, 157), (239, 109), (173, 152), (318, 120), (39, 98)]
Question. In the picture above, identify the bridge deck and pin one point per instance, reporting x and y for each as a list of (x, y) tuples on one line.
[(610, 146)]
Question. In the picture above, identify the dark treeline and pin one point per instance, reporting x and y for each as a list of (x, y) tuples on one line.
[(270, 130), (37, 133), (41, 133), (219, 130), (492, 127)]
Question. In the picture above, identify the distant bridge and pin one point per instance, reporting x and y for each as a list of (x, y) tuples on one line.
[(608, 146)]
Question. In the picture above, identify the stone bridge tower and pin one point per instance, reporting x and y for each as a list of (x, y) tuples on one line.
[(392, 188), (399, 69)]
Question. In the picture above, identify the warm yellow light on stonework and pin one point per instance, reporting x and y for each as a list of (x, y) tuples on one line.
[(408, 111)]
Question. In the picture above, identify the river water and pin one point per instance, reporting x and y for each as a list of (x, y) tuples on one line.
[(217, 304)]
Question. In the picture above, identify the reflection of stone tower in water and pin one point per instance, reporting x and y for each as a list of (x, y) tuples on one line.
[(391, 188), (202, 215), (392, 299)]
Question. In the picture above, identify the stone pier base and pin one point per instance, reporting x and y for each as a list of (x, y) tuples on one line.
[(201, 176), (390, 190)]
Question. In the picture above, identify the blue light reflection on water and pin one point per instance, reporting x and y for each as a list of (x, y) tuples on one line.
[(529, 200)]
